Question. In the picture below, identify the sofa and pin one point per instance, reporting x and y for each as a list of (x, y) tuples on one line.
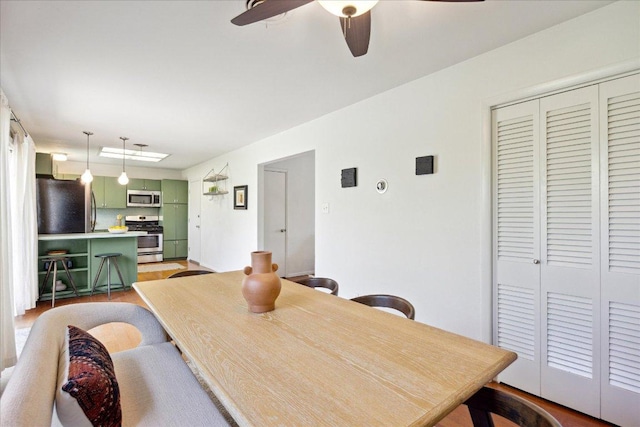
[(156, 387)]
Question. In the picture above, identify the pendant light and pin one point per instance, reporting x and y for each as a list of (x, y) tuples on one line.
[(86, 176), (123, 179)]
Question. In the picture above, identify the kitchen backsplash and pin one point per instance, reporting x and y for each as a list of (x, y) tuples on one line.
[(105, 218)]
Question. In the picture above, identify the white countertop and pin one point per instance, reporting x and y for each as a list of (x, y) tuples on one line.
[(95, 235)]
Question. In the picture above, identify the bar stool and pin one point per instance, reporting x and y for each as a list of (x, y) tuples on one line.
[(53, 264), (107, 258)]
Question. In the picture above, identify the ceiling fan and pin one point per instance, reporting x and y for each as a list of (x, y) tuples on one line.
[(355, 16)]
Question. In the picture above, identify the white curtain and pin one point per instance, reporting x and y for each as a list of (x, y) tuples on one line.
[(18, 231), (24, 224), (7, 334)]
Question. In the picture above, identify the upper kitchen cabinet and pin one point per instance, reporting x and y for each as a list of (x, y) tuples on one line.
[(175, 191), (109, 193), (144, 184), (44, 164)]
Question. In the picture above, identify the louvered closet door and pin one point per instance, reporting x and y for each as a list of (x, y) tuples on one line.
[(517, 242), (620, 166), (570, 261)]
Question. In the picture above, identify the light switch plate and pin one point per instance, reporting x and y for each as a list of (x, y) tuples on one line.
[(325, 208)]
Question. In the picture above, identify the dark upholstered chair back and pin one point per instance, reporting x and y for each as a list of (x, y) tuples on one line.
[(517, 410), (189, 273), (320, 282), (388, 301)]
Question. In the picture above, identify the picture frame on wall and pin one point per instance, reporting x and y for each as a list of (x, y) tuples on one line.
[(240, 197)]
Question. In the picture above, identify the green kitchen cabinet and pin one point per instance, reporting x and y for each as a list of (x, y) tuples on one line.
[(175, 222), (175, 230), (175, 249), (175, 218), (109, 193), (44, 164), (182, 249), (175, 191), (144, 184)]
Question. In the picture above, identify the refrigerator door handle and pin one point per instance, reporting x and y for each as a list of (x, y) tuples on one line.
[(93, 212)]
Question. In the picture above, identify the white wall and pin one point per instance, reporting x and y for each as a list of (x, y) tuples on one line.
[(300, 213), (425, 238)]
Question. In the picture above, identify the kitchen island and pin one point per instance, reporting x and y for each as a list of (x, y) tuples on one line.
[(81, 250)]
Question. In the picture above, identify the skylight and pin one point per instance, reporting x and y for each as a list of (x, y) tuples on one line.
[(139, 155)]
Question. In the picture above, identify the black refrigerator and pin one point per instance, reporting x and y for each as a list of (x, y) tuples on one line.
[(64, 206)]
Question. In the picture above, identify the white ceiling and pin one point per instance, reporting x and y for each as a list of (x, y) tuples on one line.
[(178, 76)]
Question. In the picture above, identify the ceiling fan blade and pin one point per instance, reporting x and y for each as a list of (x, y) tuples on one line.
[(267, 9), (357, 32)]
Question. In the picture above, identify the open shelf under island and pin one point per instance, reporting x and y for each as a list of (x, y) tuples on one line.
[(81, 249)]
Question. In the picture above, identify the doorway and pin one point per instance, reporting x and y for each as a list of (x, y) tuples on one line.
[(287, 213), (275, 217)]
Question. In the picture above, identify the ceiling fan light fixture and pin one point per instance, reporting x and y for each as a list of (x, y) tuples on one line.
[(250, 4), (349, 8)]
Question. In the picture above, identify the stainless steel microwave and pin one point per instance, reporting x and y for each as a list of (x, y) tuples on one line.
[(144, 198)]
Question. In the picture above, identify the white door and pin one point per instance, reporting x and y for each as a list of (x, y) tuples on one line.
[(587, 322), (620, 266), (517, 242), (275, 218), (195, 196), (570, 249)]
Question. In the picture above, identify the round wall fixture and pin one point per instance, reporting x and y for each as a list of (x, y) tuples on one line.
[(381, 186)]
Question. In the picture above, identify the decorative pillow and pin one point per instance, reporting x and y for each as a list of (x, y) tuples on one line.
[(88, 392)]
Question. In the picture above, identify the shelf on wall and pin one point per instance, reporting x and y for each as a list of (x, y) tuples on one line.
[(213, 176)]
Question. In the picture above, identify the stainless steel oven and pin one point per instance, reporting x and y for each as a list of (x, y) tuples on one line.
[(149, 245)]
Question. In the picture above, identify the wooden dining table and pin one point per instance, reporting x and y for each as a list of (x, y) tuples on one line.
[(317, 359)]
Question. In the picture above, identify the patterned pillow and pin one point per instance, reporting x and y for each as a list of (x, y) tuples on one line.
[(88, 392)]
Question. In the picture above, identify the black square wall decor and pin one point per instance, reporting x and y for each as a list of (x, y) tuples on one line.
[(424, 165), (349, 178)]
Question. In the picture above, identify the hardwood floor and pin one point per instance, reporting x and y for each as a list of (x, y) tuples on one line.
[(120, 336)]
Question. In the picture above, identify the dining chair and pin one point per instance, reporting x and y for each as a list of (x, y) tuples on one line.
[(320, 282), (489, 401), (388, 301), (189, 273)]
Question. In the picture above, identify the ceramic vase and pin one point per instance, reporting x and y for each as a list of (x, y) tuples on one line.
[(261, 286)]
